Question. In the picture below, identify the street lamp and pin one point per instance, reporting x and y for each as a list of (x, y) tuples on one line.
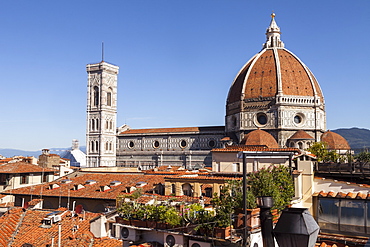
[(296, 228)]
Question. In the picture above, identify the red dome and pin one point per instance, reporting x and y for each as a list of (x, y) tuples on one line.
[(301, 135), (258, 138), (272, 72), (335, 141)]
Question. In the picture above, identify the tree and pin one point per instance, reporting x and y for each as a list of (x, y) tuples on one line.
[(231, 198), (320, 149), (274, 181), (363, 157)]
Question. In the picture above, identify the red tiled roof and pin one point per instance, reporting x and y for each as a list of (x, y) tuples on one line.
[(301, 134), (22, 167), (29, 230), (168, 130), (93, 190), (8, 224), (342, 195), (239, 148), (260, 137)]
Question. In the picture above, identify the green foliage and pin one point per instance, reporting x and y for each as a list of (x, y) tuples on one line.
[(158, 213), (274, 181), (363, 157), (132, 210), (231, 198), (319, 149), (172, 217)]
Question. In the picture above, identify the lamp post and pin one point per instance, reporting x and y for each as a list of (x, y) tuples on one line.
[(258, 155), (265, 203)]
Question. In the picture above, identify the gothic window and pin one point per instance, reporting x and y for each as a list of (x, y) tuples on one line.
[(92, 124), (110, 146), (97, 146), (111, 124), (96, 96), (109, 97), (97, 124), (106, 146)]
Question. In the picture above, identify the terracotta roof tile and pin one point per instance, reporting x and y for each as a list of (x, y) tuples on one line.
[(239, 148), (93, 190), (301, 134), (260, 137), (171, 130), (75, 230), (335, 141), (22, 167)]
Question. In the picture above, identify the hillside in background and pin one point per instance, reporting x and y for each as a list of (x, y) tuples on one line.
[(358, 139), (16, 152)]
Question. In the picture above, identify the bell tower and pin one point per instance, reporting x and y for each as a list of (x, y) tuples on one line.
[(101, 114)]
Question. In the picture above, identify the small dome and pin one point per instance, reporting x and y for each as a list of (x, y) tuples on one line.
[(259, 137), (301, 135), (75, 155), (335, 141)]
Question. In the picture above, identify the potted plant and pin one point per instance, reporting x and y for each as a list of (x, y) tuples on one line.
[(275, 182), (172, 217)]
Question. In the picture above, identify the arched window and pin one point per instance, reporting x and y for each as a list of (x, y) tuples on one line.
[(109, 97), (106, 146), (96, 146), (187, 190), (300, 145), (110, 146), (92, 124), (173, 188), (97, 124), (96, 96)]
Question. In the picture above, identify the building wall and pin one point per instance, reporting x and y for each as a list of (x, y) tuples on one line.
[(280, 121), (182, 149), (229, 162)]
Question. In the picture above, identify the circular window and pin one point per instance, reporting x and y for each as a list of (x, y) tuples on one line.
[(212, 143), (298, 119), (183, 144), (261, 118), (156, 144), (131, 144)]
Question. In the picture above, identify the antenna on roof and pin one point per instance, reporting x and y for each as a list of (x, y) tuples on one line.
[(102, 51)]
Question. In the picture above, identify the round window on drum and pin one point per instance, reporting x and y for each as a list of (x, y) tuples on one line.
[(183, 144)]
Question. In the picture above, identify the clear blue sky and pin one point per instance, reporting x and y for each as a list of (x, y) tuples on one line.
[(177, 60)]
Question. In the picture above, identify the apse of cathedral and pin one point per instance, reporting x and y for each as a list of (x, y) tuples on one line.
[(274, 100)]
